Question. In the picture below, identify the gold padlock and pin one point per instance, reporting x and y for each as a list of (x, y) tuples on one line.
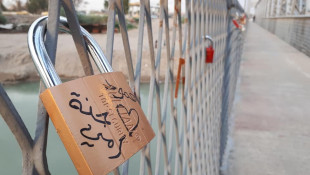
[(98, 118)]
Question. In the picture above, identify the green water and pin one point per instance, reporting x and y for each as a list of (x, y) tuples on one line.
[(25, 98)]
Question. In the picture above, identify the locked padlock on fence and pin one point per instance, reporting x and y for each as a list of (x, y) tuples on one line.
[(181, 63), (209, 50), (236, 23), (98, 118)]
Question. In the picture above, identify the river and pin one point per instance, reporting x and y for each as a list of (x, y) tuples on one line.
[(25, 98)]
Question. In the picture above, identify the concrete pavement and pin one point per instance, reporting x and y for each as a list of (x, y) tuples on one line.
[(272, 111)]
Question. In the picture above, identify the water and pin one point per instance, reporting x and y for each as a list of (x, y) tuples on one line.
[(25, 98)]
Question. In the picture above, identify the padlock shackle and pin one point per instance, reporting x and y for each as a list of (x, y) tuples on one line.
[(39, 54), (207, 37), (41, 59)]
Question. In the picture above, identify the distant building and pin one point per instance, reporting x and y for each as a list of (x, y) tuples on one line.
[(155, 9), (88, 6), (134, 10)]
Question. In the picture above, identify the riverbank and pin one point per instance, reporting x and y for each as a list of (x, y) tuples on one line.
[(16, 64)]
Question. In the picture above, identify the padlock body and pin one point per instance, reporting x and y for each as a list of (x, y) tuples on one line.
[(209, 54), (99, 121), (236, 23)]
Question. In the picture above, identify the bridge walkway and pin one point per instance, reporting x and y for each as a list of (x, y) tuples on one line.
[(271, 133)]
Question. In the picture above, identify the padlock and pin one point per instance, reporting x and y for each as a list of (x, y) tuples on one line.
[(98, 117), (236, 23), (209, 50), (243, 19), (209, 54), (181, 63)]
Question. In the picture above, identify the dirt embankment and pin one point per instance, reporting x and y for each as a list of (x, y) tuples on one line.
[(18, 23), (16, 64)]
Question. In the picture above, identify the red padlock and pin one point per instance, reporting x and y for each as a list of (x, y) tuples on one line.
[(209, 54), (209, 50), (236, 23)]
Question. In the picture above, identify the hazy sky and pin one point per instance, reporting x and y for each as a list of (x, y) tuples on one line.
[(98, 4)]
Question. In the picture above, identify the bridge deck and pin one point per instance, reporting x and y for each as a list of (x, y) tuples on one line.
[(272, 110)]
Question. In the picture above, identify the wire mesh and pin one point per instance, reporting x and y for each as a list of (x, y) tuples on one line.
[(192, 129)]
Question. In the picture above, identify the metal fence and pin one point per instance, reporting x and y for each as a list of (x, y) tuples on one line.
[(289, 20), (192, 129)]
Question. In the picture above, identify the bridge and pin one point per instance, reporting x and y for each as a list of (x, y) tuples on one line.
[(271, 108), (242, 110)]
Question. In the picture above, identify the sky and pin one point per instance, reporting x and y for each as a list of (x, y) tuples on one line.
[(98, 4)]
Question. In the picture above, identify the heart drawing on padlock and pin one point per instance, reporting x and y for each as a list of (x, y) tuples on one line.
[(129, 118)]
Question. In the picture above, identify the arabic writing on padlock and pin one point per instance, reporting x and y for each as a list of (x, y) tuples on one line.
[(98, 118)]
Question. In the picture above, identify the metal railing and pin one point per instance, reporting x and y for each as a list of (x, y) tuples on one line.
[(292, 25), (192, 129), (282, 8)]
